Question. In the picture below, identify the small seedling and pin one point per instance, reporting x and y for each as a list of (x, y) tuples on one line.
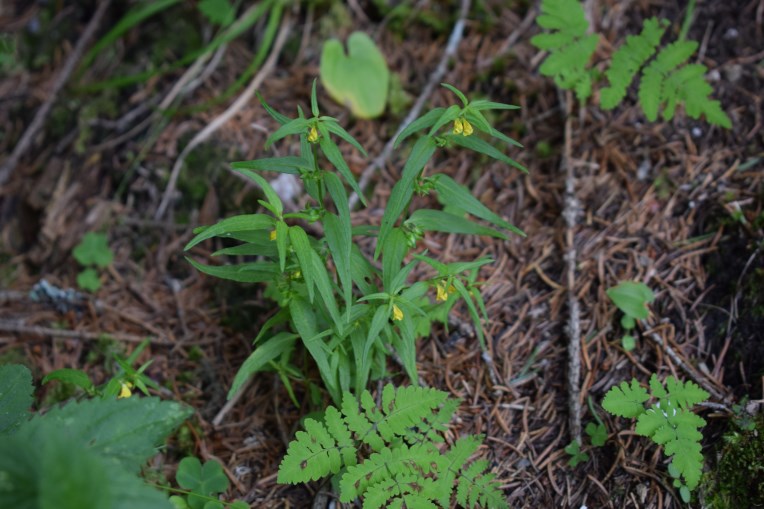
[(669, 422), (204, 484), (360, 79), (576, 454), (91, 253), (632, 299)]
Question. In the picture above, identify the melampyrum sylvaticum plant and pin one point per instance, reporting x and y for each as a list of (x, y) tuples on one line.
[(352, 309)]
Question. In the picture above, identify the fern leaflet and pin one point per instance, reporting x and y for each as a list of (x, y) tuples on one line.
[(629, 59), (404, 466), (570, 49)]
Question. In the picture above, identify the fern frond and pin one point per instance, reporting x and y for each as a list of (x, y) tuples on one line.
[(629, 59), (433, 425), (570, 49), (664, 81), (402, 409), (411, 490), (385, 464), (669, 422), (475, 487), (318, 451)]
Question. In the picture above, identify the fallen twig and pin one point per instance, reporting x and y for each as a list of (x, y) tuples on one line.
[(655, 337), (35, 330), (224, 117), (42, 113), (435, 78), (573, 328)]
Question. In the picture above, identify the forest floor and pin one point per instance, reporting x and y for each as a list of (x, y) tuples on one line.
[(677, 205)]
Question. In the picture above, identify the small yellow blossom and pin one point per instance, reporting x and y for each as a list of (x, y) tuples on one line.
[(458, 126), (272, 236), (467, 127), (296, 275), (313, 135), (443, 292), (397, 313), (125, 392)]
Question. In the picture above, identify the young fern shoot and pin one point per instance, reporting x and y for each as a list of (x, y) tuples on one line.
[(669, 422)]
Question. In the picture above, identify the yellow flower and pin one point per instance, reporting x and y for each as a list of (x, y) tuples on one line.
[(125, 392), (467, 127), (397, 313), (272, 236), (313, 135), (442, 294), (458, 126)]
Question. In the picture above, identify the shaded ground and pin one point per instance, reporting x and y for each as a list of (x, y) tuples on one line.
[(676, 205)]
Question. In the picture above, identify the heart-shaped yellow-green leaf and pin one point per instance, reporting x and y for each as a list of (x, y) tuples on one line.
[(358, 79)]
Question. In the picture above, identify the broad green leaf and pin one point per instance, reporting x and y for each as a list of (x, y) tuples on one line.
[(127, 430), (632, 298), (263, 354), (72, 376), (93, 249), (219, 12), (15, 396), (685, 394), (597, 433), (208, 479), (451, 192), (259, 272), (89, 280), (358, 79), (437, 220), (226, 227)]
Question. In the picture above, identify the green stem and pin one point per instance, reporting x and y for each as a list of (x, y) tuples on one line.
[(687, 20)]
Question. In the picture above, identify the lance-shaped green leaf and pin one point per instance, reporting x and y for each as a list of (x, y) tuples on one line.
[(333, 127), (278, 117), (261, 357), (295, 126), (457, 92), (467, 296), (304, 321), (332, 152), (72, 376), (423, 150), (259, 272), (324, 285), (483, 104), (423, 122), (287, 164), (483, 147), (303, 250), (458, 195), (449, 115), (243, 223), (339, 241), (439, 221), (270, 193), (394, 251)]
